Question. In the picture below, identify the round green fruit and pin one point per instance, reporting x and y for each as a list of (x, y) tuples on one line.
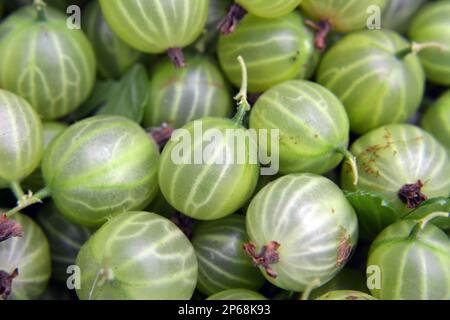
[(114, 56), (21, 138), (436, 120), (237, 294), (179, 96), (269, 8), (99, 167), (304, 230), (137, 256), (156, 26), (65, 240), (398, 14), (391, 160), (313, 126), (342, 15), (376, 78), (35, 181), (30, 255), (223, 263), (275, 50), (348, 279), (208, 170), (48, 64), (346, 295), (432, 25), (413, 261)]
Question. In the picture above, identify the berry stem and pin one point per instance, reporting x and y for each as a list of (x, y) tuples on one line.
[(422, 223), (322, 28), (352, 162), (241, 97), (416, 48), (40, 9), (311, 286), (16, 189), (177, 57), (26, 200), (232, 19)]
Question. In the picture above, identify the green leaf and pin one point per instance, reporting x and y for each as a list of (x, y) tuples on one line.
[(430, 206), (374, 212), (99, 97), (129, 96)]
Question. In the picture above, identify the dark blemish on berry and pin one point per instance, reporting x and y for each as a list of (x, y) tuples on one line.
[(344, 250), (411, 194)]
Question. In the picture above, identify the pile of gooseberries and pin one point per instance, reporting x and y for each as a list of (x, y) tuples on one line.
[(225, 150)]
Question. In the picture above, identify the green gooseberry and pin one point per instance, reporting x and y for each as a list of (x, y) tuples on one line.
[(21, 138), (43, 61), (377, 76), (30, 256), (137, 256), (209, 169), (401, 164), (155, 26), (436, 120), (341, 15), (237, 294), (275, 50), (412, 259), (398, 14), (99, 167), (179, 96), (65, 239), (114, 57), (346, 295), (222, 261), (313, 126), (432, 25), (302, 231), (35, 181)]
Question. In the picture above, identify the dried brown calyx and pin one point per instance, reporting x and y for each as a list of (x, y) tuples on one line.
[(6, 280), (162, 134), (9, 228), (322, 29), (232, 19), (411, 194), (177, 57), (266, 257)]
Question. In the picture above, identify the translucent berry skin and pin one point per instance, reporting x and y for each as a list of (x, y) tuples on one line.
[(46, 63), (431, 24), (237, 294), (312, 125), (375, 85), (114, 57), (275, 50), (156, 25), (269, 8), (31, 255), (223, 264), (179, 96), (146, 256), (99, 167), (436, 120), (412, 267), (315, 225), (346, 295), (21, 138), (344, 15), (214, 187)]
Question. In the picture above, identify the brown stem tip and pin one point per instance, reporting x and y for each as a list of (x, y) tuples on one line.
[(162, 134), (9, 228), (6, 280), (266, 257), (232, 19), (177, 57), (322, 29), (412, 195)]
